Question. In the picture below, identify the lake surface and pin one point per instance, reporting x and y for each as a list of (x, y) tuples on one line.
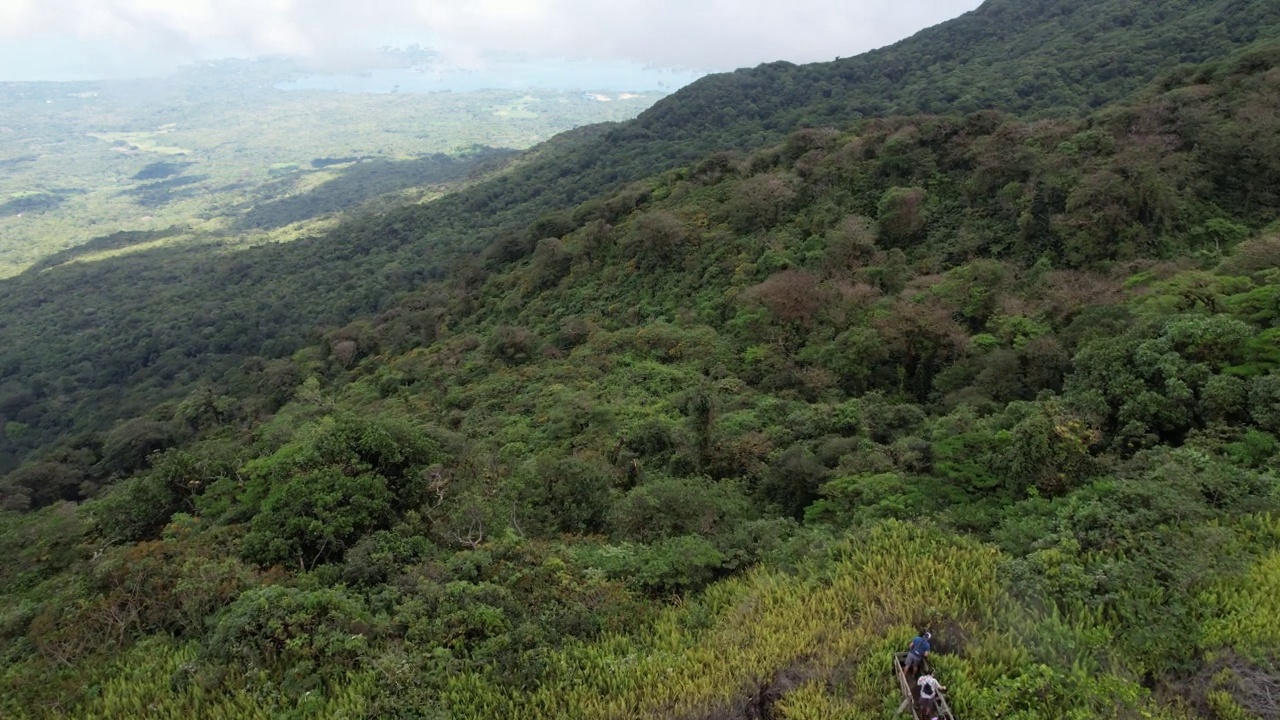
[(562, 75)]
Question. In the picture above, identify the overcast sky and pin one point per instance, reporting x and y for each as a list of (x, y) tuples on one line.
[(47, 39)]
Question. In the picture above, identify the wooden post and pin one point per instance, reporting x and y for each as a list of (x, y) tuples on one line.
[(908, 698)]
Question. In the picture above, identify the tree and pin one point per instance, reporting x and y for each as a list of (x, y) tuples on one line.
[(1254, 256), (513, 345), (314, 517), (670, 507), (129, 444), (761, 201), (1051, 450), (792, 481), (336, 482), (793, 297), (1264, 402), (855, 499), (550, 264), (922, 338), (851, 245), (658, 239), (574, 491), (39, 484), (901, 214), (303, 637), (1146, 387)]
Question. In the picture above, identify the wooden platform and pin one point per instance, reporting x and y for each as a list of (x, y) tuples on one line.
[(910, 694)]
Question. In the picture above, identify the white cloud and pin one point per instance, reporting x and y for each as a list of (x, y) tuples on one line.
[(704, 34)]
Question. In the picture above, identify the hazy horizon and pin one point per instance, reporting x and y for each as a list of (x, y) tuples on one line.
[(51, 40)]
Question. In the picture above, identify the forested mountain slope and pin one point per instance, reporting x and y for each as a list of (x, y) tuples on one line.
[(1029, 57), (85, 344), (714, 445)]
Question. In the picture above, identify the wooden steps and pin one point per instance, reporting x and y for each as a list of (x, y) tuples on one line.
[(910, 696)]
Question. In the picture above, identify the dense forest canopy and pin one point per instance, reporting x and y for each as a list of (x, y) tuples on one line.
[(702, 422), (182, 314)]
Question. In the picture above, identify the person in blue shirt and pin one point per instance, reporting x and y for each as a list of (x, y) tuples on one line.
[(917, 652)]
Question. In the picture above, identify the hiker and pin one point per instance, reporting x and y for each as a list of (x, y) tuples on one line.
[(930, 688), (917, 652)]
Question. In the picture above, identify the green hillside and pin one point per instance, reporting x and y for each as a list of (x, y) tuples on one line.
[(708, 444), (179, 315)]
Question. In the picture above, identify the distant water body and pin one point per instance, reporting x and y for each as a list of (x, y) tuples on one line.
[(562, 75)]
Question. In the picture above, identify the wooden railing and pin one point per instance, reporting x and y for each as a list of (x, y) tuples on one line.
[(910, 696)]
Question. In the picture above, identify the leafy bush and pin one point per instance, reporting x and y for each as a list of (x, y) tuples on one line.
[(315, 516), (575, 493), (303, 637), (513, 345), (670, 507), (658, 239), (673, 565), (901, 214)]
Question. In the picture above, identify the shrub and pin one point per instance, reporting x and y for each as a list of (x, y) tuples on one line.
[(658, 239), (792, 481), (551, 263), (513, 345), (672, 565), (1264, 402), (315, 516), (669, 507), (39, 484), (129, 444), (791, 296), (135, 509), (304, 637), (574, 491), (1254, 256), (901, 214), (1224, 398), (859, 498), (760, 202)]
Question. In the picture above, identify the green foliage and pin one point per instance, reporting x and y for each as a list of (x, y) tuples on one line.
[(851, 500), (761, 201), (513, 345), (975, 461), (1153, 385), (40, 544), (1264, 402), (1051, 451), (1131, 548), (315, 516), (792, 480), (670, 507), (709, 445), (129, 445), (136, 509), (341, 480), (901, 214), (1076, 192), (575, 492), (657, 240), (304, 637), (39, 484), (669, 566)]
